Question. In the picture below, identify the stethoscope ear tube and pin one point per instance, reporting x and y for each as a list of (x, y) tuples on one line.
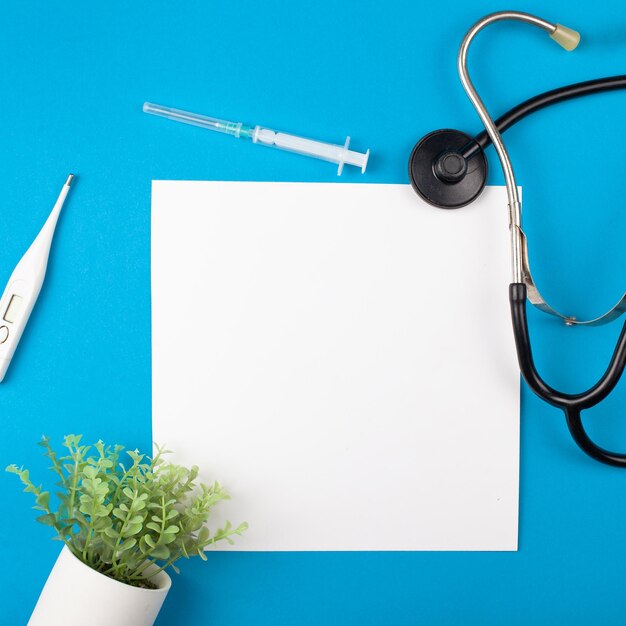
[(571, 404)]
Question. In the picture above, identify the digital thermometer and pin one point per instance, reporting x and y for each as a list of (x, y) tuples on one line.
[(24, 286)]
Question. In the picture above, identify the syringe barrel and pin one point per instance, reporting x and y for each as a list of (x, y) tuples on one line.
[(236, 129), (318, 149)]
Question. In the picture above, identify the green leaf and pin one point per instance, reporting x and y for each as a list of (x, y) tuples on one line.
[(43, 499), (128, 492), (128, 544), (48, 520), (131, 529), (111, 532), (103, 522), (90, 471), (139, 504), (119, 513), (161, 552), (71, 440)]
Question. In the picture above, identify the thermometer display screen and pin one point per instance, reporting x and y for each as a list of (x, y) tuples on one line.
[(13, 309)]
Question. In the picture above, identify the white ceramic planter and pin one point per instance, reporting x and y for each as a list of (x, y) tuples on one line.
[(76, 595)]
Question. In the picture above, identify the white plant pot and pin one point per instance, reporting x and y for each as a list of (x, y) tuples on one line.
[(77, 595)]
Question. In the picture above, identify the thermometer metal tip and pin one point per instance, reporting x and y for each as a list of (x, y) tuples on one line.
[(25, 283)]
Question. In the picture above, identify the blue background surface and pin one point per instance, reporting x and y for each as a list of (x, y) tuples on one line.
[(74, 77)]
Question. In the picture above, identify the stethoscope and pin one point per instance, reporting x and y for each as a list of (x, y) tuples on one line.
[(448, 169)]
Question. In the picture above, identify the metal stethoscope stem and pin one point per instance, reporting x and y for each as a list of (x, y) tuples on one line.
[(515, 209), (521, 273)]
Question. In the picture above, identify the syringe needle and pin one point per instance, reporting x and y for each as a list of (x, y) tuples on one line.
[(237, 129)]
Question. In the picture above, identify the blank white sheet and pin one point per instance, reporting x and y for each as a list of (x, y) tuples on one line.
[(340, 357)]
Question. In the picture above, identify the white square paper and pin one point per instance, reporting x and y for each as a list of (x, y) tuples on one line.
[(340, 356)]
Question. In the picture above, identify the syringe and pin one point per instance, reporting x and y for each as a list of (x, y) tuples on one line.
[(267, 137)]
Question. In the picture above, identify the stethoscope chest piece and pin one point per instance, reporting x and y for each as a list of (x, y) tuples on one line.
[(441, 173)]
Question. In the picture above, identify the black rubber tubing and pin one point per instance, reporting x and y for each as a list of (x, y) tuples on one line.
[(519, 112), (571, 404)]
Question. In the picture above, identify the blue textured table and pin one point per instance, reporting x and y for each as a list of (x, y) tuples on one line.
[(74, 76)]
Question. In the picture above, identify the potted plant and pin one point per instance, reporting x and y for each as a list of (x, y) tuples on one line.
[(124, 520)]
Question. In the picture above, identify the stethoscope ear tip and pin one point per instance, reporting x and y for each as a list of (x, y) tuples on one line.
[(441, 172)]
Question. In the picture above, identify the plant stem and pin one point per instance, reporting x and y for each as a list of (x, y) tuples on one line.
[(74, 483), (148, 562), (55, 461), (139, 572), (121, 485), (115, 567), (88, 539)]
